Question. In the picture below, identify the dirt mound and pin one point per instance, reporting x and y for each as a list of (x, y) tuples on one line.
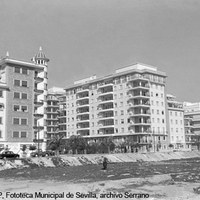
[(77, 160)]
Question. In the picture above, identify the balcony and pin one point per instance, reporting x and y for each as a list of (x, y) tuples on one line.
[(142, 104), (107, 109), (83, 132), (140, 123), (82, 112), (143, 87), (106, 130), (81, 97), (140, 132), (139, 114), (105, 85), (38, 103), (137, 78), (52, 119), (38, 79), (83, 123), (38, 127), (107, 101), (83, 105), (38, 115), (102, 118), (84, 90), (52, 112), (37, 91), (83, 120), (83, 128), (196, 119), (139, 96)]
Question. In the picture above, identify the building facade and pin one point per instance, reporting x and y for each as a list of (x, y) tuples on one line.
[(54, 124), (192, 125), (23, 87), (127, 105), (175, 123)]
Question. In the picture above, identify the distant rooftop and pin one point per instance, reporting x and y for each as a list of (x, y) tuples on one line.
[(138, 67)]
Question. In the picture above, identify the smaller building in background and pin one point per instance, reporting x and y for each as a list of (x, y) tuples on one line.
[(53, 111), (175, 122), (192, 124)]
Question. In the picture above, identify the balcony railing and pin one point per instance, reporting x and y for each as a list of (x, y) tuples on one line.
[(38, 79), (38, 115), (38, 103), (38, 91)]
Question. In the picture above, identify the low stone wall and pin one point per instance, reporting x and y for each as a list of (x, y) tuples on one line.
[(86, 159)]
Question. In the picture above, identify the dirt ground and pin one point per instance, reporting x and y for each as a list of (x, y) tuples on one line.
[(174, 179)]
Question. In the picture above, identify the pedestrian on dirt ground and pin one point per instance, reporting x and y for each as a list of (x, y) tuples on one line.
[(105, 163)]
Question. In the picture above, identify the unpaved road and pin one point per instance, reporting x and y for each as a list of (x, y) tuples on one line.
[(174, 179)]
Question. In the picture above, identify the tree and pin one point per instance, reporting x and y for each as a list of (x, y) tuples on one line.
[(77, 144), (56, 143), (92, 148)]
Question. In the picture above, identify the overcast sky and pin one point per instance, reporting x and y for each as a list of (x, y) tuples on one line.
[(86, 37)]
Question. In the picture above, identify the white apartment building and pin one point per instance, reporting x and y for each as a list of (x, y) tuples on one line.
[(175, 122), (54, 124), (192, 124), (127, 105)]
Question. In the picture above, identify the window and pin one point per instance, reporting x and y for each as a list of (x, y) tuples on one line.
[(121, 104), (16, 107), (116, 122), (17, 70), (1, 93), (16, 95), (24, 108), (157, 94), (0, 120), (24, 84), (23, 134), (24, 71), (17, 82), (157, 112), (122, 121), (163, 121), (16, 121), (0, 134), (121, 95), (24, 96), (16, 134), (122, 112), (158, 120), (23, 121), (122, 130), (152, 111)]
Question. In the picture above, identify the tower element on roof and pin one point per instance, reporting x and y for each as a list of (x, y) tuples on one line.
[(40, 58)]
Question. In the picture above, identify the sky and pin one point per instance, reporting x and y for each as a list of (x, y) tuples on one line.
[(87, 37)]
